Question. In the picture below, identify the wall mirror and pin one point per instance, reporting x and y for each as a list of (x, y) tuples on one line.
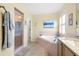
[(77, 19)]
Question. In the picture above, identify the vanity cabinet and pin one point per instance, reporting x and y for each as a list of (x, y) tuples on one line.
[(59, 48), (67, 51), (63, 50)]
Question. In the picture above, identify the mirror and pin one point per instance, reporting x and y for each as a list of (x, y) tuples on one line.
[(77, 15), (77, 18)]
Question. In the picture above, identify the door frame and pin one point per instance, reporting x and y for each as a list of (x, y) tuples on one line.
[(22, 14)]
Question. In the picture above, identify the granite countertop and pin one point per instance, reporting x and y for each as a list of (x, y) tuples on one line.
[(71, 43)]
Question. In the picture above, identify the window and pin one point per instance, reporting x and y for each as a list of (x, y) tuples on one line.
[(62, 24), (48, 24)]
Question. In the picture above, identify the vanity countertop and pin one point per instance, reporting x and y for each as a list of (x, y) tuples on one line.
[(71, 43)]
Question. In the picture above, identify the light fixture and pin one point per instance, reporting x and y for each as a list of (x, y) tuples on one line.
[(18, 17)]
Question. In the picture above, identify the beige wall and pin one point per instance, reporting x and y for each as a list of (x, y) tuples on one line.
[(37, 26), (22, 8), (37, 21), (67, 9)]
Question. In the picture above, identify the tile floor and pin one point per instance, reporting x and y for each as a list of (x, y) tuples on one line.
[(33, 49)]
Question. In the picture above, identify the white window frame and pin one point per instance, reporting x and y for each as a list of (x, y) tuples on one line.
[(62, 24)]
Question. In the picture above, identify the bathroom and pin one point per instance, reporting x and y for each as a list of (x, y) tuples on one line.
[(48, 29)]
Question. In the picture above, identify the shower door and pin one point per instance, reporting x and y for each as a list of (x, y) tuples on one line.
[(18, 28)]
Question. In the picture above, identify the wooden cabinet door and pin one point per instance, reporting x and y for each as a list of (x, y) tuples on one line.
[(63, 50), (67, 52), (59, 48)]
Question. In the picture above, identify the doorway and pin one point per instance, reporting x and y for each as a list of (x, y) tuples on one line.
[(19, 16)]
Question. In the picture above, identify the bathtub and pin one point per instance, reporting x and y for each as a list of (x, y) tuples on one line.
[(49, 43), (49, 38)]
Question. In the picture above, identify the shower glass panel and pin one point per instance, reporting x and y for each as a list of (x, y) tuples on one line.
[(18, 28)]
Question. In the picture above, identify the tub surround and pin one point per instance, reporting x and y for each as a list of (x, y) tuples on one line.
[(48, 43), (49, 38)]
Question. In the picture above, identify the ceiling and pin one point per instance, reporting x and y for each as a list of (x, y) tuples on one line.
[(44, 8)]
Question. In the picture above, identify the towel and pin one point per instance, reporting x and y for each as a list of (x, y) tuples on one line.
[(8, 25)]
